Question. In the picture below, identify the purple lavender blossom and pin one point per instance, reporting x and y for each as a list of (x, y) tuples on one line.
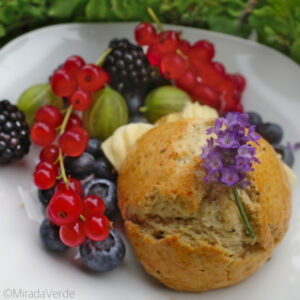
[(229, 157)]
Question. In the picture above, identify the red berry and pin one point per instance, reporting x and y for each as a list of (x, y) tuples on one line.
[(203, 50), (207, 95), (184, 46), (44, 178), (47, 165), (49, 114), (72, 235), (239, 108), (43, 134), (74, 121), (154, 55), (64, 208), (218, 67), (93, 205), (90, 78), (49, 154), (97, 227), (73, 65), (187, 81), (173, 66), (81, 100), (105, 77), (63, 84), (239, 81), (73, 185), (145, 34), (168, 42), (74, 141)]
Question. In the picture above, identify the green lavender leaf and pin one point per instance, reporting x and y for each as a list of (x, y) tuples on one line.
[(63, 9), (295, 51)]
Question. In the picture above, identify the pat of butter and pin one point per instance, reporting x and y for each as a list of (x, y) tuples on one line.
[(118, 145), (202, 112)]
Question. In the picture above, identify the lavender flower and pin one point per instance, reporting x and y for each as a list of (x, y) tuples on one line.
[(229, 157)]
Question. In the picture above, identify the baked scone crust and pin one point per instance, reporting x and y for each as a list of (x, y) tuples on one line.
[(188, 234)]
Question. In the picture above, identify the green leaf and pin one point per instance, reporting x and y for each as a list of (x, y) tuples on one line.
[(99, 10), (63, 9), (295, 51), (2, 30)]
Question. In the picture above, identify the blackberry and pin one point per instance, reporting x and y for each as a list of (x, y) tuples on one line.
[(14, 133), (127, 66)]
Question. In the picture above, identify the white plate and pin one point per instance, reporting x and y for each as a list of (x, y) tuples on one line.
[(273, 89)]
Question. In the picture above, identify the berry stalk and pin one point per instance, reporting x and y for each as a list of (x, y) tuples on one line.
[(60, 155), (155, 18), (102, 58)]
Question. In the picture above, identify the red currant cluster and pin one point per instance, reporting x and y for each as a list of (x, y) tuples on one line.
[(192, 68), (78, 218), (77, 80)]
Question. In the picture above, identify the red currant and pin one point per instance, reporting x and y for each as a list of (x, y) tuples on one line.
[(239, 108), (44, 178), (43, 134), (218, 67), (49, 114), (105, 77), (74, 121), (173, 66), (203, 50), (97, 227), (48, 166), (90, 78), (72, 235), (154, 55), (73, 185), (207, 95), (73, 65), (62, 83), (49, 154), (145, 34), (168, 42), (187, 81), (239, 81), (81, 100), (64, 208), (74, 141), (93, 205), (184, 46)]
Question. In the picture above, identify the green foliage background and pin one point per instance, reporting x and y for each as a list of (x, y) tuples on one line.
[(277, 22)]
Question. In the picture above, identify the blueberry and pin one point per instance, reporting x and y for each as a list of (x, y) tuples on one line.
[(134, 100), (94, 148), (45, 196), (105, 255), (286, 153), (49, 234), (104, 169), (80, 167), (105, 189), (272, 132), (137, 119), (254, 118)]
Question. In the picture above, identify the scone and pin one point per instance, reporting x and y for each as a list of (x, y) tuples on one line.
[(189, 234)]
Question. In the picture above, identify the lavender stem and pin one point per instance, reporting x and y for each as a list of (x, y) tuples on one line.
[(242, 212)]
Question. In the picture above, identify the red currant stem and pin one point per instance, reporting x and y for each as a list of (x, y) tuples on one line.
[(66, 119), (60, 154), (155, 18), (178, 51), (62, 169), (102, 58), (82, 218), (58, 177)]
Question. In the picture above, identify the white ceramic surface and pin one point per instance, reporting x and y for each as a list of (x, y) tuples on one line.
[(273, 89)]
